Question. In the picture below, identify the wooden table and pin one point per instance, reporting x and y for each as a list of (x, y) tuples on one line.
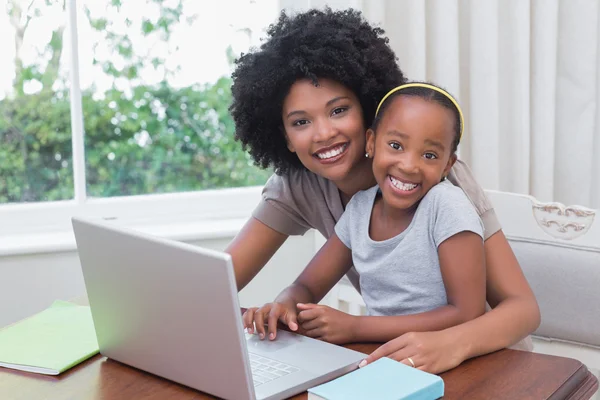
[(506, 374)]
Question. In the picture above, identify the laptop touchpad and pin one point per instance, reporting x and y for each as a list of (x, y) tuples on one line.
[(283, 340)]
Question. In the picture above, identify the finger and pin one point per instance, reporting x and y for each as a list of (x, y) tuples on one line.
[(312, 324), (259, 322), (410, 361), (249, 319), (272, 321), (384, 350), (301, 330), (403, 354), (405, 362), (307, 315), (316, 333), (423, 367), (306, 306), (291, 320)]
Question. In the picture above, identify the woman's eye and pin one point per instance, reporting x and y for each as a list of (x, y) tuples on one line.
[(430, 156), (338, 110), (300, 122), (396, 146)]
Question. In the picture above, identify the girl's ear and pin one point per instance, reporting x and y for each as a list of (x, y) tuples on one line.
[(451, 162), (370, 146)]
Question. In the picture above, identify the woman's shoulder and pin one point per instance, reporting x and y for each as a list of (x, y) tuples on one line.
[(299, 183), (293, 202), (446, 194), (462, 177)]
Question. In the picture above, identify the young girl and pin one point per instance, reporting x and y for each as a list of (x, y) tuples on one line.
[(416, 243), (301, 105)]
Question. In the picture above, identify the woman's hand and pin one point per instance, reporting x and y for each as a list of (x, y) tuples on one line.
[(326, 323), (272, 312), (433, 352)]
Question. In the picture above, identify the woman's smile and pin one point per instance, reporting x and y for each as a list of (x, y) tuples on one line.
[(332, 154)]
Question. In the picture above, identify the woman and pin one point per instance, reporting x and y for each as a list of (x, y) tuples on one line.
[(302, 104)]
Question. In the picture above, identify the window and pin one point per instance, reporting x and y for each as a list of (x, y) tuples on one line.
[(155, 91), (35, 118), (149, 84)]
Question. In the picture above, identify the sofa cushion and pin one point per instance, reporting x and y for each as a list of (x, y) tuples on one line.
[(566, 282)]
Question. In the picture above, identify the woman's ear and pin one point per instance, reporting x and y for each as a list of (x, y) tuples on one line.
[(289, 145), (370, 146), (449, 165)]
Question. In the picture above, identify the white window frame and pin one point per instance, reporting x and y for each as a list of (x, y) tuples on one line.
[(46, 226)]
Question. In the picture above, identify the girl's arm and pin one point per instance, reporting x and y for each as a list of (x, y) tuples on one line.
[(462, 263), (252, 248), (515, 314), (326, 268)]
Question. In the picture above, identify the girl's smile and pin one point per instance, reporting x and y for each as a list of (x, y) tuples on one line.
[(402, 187)]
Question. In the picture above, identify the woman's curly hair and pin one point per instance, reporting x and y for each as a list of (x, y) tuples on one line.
[(337, 45)]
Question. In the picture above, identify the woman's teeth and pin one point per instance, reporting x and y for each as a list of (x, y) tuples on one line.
[(332, 153), (401, 185)]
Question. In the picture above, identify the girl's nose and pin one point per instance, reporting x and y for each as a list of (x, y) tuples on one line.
[(409, 164)]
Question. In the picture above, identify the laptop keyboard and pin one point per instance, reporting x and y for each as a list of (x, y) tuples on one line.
[(265, 369)]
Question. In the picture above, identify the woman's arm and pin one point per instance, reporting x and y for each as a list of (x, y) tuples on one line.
[(515, 315), (515, 312), (462, 266), (252, 248)]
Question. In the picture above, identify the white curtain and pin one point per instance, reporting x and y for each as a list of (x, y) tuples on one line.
[(527, 75)]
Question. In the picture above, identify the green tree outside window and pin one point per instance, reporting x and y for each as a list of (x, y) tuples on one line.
[(147, 139)]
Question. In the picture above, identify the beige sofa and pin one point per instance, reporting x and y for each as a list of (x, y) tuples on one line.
[(558, 248)]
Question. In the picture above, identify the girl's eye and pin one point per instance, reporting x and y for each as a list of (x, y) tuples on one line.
[(338, 110), (396, 146), (300, 122), (430, 156)]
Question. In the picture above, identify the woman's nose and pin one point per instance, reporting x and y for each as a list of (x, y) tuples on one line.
[(325, 131)]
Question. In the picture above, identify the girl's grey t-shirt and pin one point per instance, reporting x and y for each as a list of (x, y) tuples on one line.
[(401, 275), (301, 200)]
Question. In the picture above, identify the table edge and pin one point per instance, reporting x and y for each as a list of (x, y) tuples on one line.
[(586, 389)]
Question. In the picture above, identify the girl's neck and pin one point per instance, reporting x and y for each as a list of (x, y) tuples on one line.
[(387, 222), (393, 214), (359, 178)]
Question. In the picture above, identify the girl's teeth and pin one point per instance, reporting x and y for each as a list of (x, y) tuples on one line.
[(401, 185), (331, 153)]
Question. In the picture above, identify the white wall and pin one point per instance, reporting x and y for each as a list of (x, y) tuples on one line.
[(29, 283)]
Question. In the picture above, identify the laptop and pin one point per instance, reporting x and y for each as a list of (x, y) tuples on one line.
[(171, 309)]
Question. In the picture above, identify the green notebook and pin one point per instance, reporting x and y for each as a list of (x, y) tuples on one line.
[(50, 342)]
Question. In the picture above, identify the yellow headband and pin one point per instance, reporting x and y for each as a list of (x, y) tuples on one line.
[(428, 86)]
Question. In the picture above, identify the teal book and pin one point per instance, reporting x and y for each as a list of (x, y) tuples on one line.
[(50, 342), (384, 379)]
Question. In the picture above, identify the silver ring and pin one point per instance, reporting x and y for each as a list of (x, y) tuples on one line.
[(411, 362)]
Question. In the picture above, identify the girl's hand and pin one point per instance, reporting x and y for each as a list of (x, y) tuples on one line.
[(433, 352), (326, 323), (271, 312)]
